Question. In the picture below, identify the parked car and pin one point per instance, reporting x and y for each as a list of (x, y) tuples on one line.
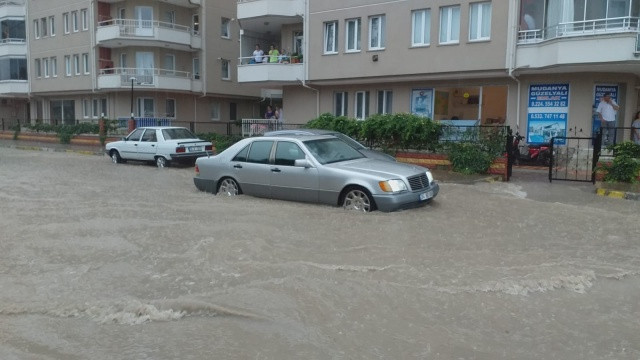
[(159, 144), (370, 153), (316, 169)]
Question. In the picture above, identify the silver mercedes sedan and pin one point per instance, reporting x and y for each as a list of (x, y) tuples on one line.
[(317, 169)]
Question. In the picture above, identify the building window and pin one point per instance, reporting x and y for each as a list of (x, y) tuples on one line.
[(38, 68), (215, 111), (385, 101), (226, 73), (44, 28), (95, 108), (54, 67), (85, 63), (74, 21), (196, 68), (421, 27), (170, 108), (103, 107), (170, 17), (450, 25), (45, 66), (12, 68), (65, 22), (76, 64), (146, 107), (377, 32), (170, 64), (341, 99), (362, 105), (123, 60), (67, 65), (52, 26), (480, 21), (85, 19), (353, 35), (330, 37), (86, 108), (225, 31), (36, 29), (13, 30)]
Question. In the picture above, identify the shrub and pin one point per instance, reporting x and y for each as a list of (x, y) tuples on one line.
[(220, 142), (626, 163), (467, 158)]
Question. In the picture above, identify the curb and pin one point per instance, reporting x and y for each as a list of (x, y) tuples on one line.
[(51, 149), (618, 194)]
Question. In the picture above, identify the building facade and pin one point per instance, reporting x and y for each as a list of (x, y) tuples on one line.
[(539, 66), (163, 61), (14, 86)]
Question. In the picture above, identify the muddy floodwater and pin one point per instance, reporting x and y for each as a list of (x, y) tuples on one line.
[(104, 261)]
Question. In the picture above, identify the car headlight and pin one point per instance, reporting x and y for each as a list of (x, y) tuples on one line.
[(429, 177), (393, 185)]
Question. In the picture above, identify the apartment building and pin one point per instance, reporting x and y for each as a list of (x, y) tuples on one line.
[(13, 62), (164, 62), (539, 66)]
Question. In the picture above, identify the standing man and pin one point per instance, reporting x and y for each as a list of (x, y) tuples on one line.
[(258, 55), (635, 129), (607, 110)]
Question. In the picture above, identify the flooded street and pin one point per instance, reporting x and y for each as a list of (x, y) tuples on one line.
[(105, 261)]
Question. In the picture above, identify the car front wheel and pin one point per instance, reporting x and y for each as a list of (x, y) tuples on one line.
[(228, 187), (161, 162), (359, 200), (115, 157)]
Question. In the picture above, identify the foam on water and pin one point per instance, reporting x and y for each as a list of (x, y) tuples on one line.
[(132, 312)]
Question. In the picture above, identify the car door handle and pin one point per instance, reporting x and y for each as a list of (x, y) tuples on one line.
[(237, 166), (276, 170)]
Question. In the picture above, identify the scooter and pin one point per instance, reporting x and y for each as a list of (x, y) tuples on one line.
[(538, 154)]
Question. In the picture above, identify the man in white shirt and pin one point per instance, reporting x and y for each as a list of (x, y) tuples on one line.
[(607, 110), (258, 55)]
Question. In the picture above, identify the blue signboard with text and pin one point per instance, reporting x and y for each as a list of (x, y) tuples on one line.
[(548, 113)]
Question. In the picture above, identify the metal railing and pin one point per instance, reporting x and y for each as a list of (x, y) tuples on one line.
[(282, 59), (257, 127), (580, 28), (11, 2), (143, 76), (13, 41), (141, 28)]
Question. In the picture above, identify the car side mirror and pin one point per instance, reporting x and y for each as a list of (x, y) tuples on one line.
[(302, 163)]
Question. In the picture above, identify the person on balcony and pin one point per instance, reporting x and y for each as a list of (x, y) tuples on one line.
[(273, 54), (607, 113), (258, 55), (635, 129)]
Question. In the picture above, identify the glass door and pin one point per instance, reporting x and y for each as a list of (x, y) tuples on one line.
[(144, 67), (144, 21)]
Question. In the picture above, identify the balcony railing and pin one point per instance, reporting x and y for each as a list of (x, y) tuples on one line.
[(143, 76), (142, 28), (11, 2), (13, 41), (580, 28)]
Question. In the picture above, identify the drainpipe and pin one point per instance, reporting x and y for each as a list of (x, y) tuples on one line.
[(512, 40), (305, 63), (92, 53)]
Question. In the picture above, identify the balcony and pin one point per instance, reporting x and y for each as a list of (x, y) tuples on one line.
[(120, 78), (14, 8), (248, 9), (14, 87), (183, 3), (589, 42), (13, 47), (282, 73), (143, 33)]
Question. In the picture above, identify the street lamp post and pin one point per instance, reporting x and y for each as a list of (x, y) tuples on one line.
[(132, 121)]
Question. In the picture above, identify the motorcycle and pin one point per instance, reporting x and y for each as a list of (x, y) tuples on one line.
[(538, 154)]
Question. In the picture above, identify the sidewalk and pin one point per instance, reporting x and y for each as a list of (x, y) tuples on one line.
[(49, 146)]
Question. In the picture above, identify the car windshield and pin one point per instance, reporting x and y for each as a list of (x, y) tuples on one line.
[(176, 134), (354, 144), (328, 151)]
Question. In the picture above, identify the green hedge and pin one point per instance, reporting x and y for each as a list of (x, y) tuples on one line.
[(626, 163)]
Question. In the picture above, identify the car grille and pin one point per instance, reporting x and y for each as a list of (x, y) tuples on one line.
[(418, 182)]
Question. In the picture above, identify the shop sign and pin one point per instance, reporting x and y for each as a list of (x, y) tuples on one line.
[(422, 102), (548, 112)]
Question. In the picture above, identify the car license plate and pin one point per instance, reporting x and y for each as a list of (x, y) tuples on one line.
[(195, 148), (427, 195)]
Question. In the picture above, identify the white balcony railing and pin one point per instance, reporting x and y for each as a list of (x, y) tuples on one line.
[(580, 28), (11, 2), (142, 28), (145, 78), (13, 41)]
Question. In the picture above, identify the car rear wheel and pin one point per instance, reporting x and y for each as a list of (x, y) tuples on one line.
[(358, 199), (115, 157), (161, 162), (228, 187)]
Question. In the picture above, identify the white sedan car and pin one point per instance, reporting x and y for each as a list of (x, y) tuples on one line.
[(159, 144)]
